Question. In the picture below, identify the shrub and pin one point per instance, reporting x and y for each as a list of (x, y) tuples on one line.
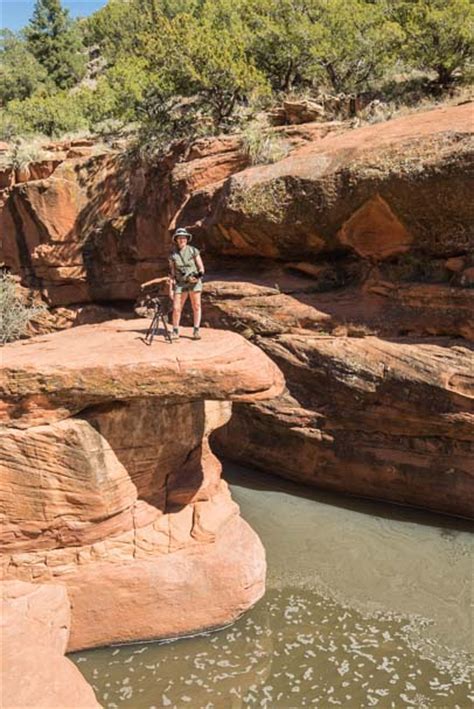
[(50, 115), (262, 146), (24, 153), (14, 313)]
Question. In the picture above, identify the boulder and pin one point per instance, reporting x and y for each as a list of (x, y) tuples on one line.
[(109, 484), (297, 111), (376, 191), (35, 623)]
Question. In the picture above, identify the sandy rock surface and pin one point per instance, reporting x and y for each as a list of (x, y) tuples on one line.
[(35, 622), (50, 377)]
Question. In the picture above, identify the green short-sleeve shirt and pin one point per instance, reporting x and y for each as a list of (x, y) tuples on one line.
[(184, 262)]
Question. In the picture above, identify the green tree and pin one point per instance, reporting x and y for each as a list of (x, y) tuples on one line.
[(54, 39), (50, 115), (117, 28), (209, 57), (284, 35), (123, 27), (439, 34), (20, 72), (359, 42)]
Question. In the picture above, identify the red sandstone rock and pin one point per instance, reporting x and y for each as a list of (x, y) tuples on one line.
[(123, 502), (7, 177), (382, 189), (198, 587), (22, 174), (83, 219), (54, 376), (35, 623), (45, 168), (366, 195), (467, 277), (455, 264), (374, 231), (389, 420), (382, 307)]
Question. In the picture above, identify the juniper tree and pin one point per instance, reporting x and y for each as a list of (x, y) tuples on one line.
[(54, 39), (20, 72)]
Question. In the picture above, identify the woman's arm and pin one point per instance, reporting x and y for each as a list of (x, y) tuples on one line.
[(199, 264), (172, 277)]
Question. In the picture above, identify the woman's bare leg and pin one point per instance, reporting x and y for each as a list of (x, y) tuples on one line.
[(196, 306), (178, 305)]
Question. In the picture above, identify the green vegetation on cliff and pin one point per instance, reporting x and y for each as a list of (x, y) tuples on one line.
[(177, 67)]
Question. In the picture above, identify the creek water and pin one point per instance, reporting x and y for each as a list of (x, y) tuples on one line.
[(367, 605)]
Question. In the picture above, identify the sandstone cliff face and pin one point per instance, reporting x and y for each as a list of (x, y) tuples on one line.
[(392, 420), (109, 485), (94, 227), (350, 263), (378, 191)]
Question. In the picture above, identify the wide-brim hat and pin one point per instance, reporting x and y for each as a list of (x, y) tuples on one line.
[(182, 232)]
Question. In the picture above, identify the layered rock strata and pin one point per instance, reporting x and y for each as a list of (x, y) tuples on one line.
[(109, 485), (380, 395), (387, 419), (35, 622), (363, 238)]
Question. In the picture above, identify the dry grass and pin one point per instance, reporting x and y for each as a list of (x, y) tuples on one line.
[(15, 311), (261, 146), (24, 152)]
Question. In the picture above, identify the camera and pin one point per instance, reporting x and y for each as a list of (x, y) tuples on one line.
[(192, 278)]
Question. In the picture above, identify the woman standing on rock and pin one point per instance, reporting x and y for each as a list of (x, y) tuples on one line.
[(187, 270)]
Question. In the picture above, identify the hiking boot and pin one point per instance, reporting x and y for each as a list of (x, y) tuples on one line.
[(175, 335), (196, 334)]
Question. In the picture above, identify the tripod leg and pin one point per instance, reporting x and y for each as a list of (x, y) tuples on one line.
[(151, 332), (167, 332)]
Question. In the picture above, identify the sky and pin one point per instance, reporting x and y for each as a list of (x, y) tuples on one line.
[(14, 14)]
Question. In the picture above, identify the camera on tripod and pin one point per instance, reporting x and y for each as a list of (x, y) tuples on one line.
[(153, 302), (156, 303)]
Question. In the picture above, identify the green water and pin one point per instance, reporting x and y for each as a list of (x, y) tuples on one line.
[(367, 605)]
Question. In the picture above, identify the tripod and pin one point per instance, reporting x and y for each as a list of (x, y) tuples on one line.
[(158, 314)]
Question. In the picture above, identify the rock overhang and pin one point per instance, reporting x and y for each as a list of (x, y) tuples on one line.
[(109, 483), (49, 378)]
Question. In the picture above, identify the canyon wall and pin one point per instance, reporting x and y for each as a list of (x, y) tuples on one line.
[(350, 263)]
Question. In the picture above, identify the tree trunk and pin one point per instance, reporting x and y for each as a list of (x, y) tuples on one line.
[(445, 76)]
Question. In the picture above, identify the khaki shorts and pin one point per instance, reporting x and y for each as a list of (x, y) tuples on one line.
[(188, 287)]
